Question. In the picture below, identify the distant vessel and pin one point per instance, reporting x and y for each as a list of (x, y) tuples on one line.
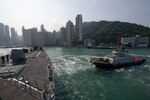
[(119, 58)]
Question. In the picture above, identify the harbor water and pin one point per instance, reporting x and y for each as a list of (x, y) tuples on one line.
[(77, 79), (4, 51)]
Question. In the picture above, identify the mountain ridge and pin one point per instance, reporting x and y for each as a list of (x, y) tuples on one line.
[(109, 31)]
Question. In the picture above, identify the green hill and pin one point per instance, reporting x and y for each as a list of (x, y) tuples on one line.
[(110, 31)]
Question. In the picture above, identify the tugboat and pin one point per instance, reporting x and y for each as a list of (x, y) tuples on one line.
[(119, 59)]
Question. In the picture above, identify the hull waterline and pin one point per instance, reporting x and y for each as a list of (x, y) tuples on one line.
[(111, 66)]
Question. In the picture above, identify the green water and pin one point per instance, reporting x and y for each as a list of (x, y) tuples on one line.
[(77, 79)]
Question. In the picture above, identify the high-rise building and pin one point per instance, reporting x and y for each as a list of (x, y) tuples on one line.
[(39, 39), (50, 39), (26, 37), (7, 36), (62, 36), (63, 33), (30, 37), (54, 37), (79, 30), (33, 34), (17, 38), (20, 38), (14, 37), (46, 36), (2, 35), (13, 40), (42, 28), (69, 32)]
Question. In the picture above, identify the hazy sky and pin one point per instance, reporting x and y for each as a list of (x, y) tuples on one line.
[(55, 13)]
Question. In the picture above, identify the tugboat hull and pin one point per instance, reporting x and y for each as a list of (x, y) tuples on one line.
[(119, 59), (112, 66)]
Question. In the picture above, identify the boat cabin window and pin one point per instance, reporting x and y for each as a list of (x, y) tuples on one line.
[(119, 54)]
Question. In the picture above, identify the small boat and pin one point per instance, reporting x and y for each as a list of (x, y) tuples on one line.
[(119, 59)]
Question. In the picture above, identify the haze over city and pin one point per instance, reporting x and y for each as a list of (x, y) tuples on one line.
[(55, 13)]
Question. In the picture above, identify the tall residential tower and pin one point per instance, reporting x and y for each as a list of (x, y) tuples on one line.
[(14, 37), (69, 32), (7, 36), (79, 32), (2, 35)]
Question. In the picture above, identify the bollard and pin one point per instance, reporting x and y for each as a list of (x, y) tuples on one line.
[(38, 89), (24, 82), (29, 85)]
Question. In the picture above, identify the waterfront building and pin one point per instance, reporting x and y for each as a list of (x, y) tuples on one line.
[(2, 35), (7, 36), (14, 37), (79, 30), (136, 41), (39, 39), (50, 38), (62, 36), (58, 35), (46, 37), (43, 29), (89, 42), (26, 37), (63, 33), (31, 37), (69, 33), (33, 33), (54, 37), (20, 39)]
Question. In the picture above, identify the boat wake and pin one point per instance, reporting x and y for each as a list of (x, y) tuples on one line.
[(76, 78), (70, 64)]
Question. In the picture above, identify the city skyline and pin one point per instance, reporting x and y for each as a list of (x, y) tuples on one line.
[(66, 36), (8, 36), (55, 13)]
